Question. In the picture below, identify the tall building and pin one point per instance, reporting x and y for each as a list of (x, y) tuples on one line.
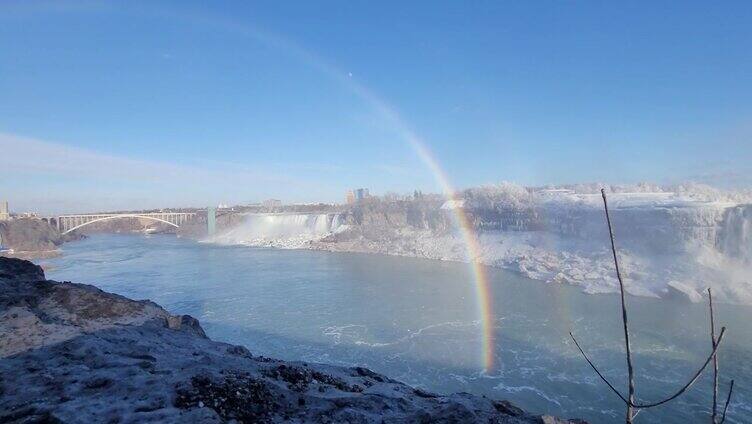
[(356, 195), (361, 194), (4, 211)]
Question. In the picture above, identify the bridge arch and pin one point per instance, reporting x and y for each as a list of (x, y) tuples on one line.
[(153, 218)]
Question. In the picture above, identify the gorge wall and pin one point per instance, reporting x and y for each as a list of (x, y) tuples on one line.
[(671, 244), (31, 235)]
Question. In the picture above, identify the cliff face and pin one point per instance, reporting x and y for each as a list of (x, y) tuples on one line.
[(32, 235), (666, 240), (73, 353), (419, 215), (646, 227)]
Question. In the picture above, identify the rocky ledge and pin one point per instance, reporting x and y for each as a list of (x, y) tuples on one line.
[(31, 237), (73, 353)]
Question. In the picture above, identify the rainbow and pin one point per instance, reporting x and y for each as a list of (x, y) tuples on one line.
[(482, 290), (472, 245)]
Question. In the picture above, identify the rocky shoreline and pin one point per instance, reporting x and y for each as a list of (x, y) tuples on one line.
[(73, 353), (32, 238)]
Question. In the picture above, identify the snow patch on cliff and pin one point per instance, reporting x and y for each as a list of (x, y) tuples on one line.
[(551, 258)]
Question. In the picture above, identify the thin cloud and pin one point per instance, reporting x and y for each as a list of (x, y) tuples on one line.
[(23, 155), (53, 177)]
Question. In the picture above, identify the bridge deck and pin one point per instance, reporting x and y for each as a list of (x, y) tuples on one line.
[(68, 223)]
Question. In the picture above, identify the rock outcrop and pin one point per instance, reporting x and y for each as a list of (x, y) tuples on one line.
[(73, 353), (32, 235)]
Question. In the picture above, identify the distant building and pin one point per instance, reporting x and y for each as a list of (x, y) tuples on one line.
[(4, 211), (271, 203), (361, 194), (357, 195)]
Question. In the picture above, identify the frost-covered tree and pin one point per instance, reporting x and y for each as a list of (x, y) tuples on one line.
[(504, 195)]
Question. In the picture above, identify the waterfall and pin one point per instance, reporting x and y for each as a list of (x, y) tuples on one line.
[(335, 222), (280, 229), (735, 235)]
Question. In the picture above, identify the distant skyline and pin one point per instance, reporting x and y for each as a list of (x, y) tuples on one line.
[(115, 105)]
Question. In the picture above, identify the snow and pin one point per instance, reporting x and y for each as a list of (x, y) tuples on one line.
[(686, 290), (554, 259), (453, 204)]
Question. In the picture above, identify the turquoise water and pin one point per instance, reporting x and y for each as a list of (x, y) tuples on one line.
[(416, 320)]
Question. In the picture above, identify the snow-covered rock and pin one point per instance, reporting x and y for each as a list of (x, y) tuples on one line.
[(683, 290)]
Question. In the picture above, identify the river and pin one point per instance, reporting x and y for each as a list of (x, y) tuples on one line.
[(416, 320)]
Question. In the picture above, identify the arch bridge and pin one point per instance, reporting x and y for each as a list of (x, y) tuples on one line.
[(68, 223)]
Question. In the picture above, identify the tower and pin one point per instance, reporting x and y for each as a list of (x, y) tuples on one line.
[(4, 211)]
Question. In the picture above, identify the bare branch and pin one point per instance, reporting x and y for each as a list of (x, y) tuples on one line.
[(598, 372), (713, 342), (634, 408), (668, 399), (691, 382), (728, 399), (630, 368)]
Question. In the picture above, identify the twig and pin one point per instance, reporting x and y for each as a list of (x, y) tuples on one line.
[(630, 400), (728, 399), (630, 368), (713, 342), (684, 388), (598, 372), (692, 381)]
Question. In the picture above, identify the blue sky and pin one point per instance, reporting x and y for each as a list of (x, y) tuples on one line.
[(145, 104)]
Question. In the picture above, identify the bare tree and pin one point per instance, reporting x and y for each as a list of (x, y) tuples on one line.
[(633, 407), (714, 341)]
